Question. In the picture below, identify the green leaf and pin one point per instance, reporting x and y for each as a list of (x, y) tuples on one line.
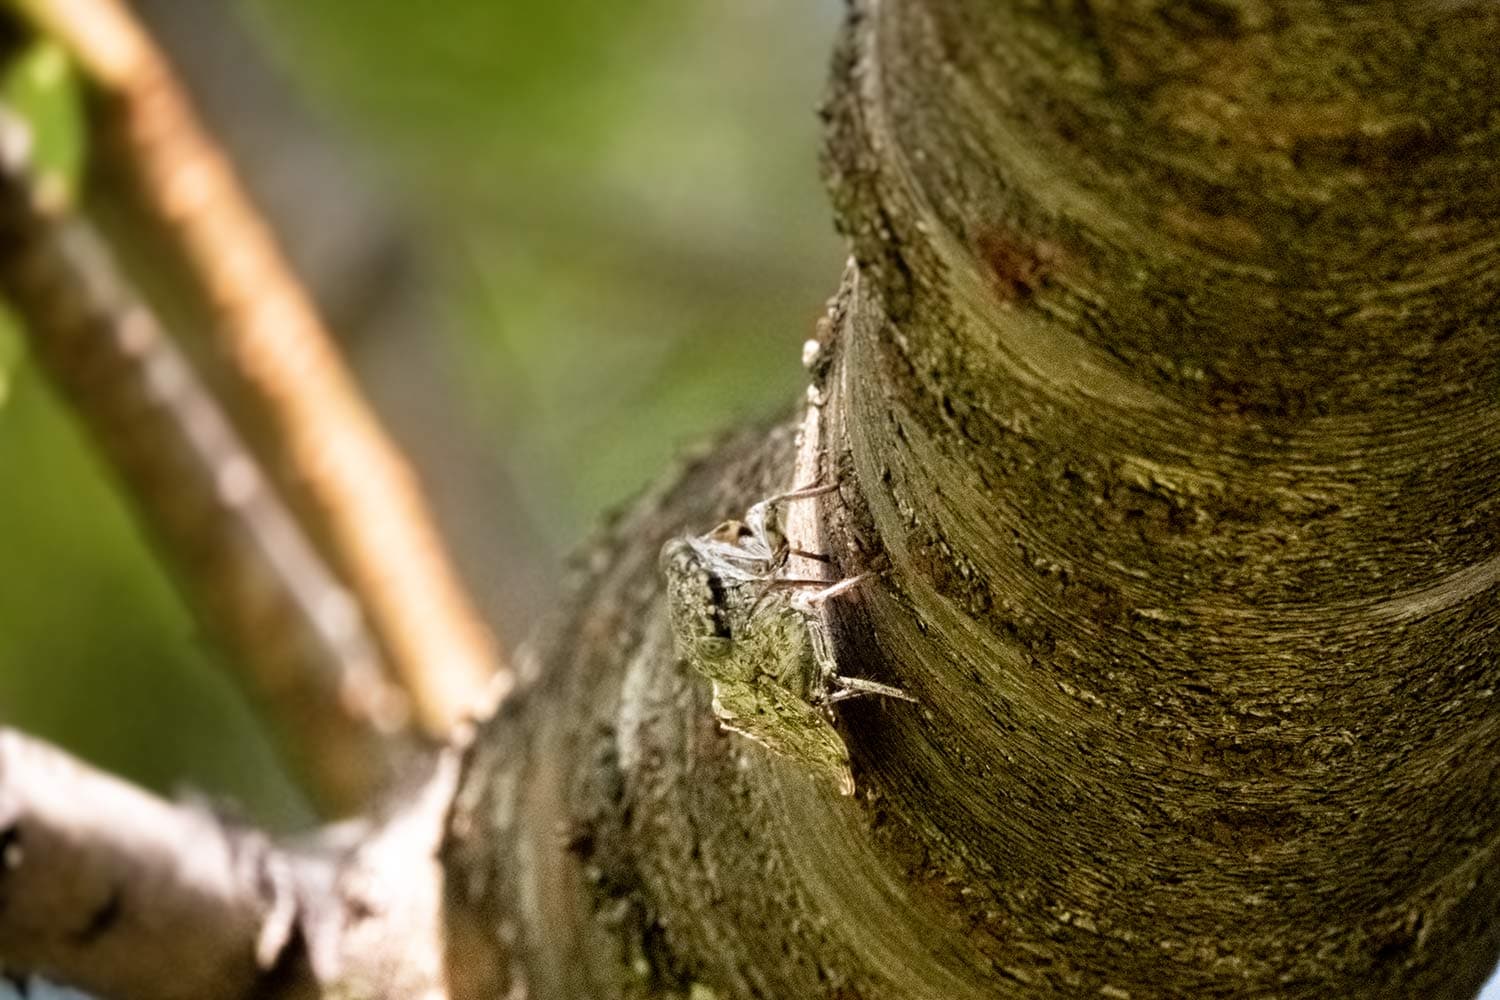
[(42, 87), (11, 352)]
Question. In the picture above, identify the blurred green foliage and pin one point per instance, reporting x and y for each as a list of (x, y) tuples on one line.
[(630, 200), (40, 86), (635, 243), (630, 197)]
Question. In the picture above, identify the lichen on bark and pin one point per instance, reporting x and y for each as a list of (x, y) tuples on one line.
[(1163, 396)]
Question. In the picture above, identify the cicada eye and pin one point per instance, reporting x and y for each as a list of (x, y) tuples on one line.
[(678, 560), (731, 532), (712, 647)]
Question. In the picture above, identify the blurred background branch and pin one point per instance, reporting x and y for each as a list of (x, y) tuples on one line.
[(365, 499), (592, 236), (243, 561)]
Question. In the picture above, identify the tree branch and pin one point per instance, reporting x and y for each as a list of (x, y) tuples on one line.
[(369, 502), (97, 877), (110, 889), (244, 563), (1162, 401)]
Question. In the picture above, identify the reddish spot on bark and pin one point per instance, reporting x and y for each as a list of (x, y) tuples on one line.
[(1018, 267)]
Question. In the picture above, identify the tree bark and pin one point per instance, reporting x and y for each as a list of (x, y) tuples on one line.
[(1162, 394)]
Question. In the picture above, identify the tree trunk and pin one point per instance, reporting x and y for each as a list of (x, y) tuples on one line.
[(1162, 396)]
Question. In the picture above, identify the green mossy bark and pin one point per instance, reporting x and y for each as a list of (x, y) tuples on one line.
[(1165, 394)]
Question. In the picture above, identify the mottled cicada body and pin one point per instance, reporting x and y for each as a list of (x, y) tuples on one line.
[(759, 636)]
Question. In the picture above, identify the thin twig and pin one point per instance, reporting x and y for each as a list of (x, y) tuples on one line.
[(247, 568), (371, 506)]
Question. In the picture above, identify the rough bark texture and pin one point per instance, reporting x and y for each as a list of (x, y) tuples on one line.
[(1163, 393)]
